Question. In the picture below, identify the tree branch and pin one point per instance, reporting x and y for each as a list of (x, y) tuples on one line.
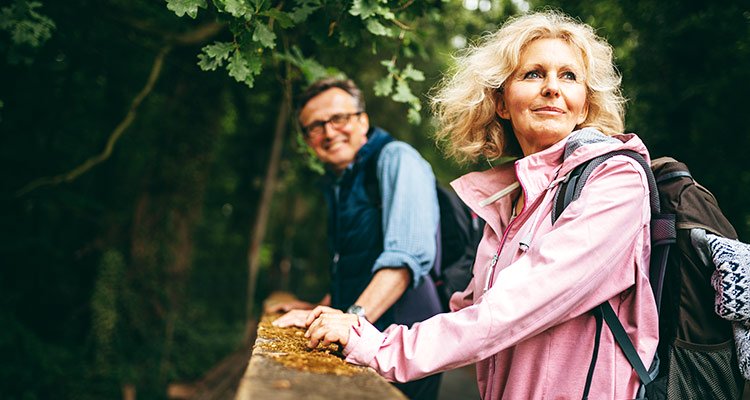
[(264, 206), (200, 34), (113, 137)]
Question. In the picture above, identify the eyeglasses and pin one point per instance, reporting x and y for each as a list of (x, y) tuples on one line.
[(338, 121)]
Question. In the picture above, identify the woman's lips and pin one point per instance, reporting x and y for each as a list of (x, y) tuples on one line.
[(549, 110)]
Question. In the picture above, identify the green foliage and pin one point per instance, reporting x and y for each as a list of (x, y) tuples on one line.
[(264, 36), (238, 8), (104, 306), (310, 68), (214, 55), (27, 27), (260, 25), (189, 7), (402, 92)]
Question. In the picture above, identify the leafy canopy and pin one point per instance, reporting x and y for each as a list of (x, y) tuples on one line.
[(261, 33)]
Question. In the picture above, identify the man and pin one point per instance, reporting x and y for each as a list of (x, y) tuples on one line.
[(382, 221)]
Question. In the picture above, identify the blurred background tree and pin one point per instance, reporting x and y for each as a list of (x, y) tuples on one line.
[(134, 269)]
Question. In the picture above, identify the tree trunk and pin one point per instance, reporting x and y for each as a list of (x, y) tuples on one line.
[(264, 206)]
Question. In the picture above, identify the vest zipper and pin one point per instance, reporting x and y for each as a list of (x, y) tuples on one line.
[(335, 262)]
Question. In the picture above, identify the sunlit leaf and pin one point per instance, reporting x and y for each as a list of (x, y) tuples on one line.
[(363, 8), (414, 117), (384, 86), (376, 28), (189, 7), (264, 36), (238, 8), (214, 55), (403, 93), (411, 73), (238, 68)]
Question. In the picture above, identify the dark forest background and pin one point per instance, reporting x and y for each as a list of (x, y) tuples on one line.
[(136, 196)]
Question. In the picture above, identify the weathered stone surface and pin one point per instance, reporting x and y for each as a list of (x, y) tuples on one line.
[(267, 379), (281, 368)]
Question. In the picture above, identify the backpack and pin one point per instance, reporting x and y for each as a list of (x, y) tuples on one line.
[(696, 356), (458, 236)]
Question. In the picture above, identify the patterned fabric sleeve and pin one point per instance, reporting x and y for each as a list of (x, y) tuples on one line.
[(731, 278), (732, 283)]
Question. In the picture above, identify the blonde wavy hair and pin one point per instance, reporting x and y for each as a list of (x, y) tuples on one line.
[(464, 103)]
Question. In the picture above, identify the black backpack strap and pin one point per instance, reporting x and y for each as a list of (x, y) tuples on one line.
[(606, 312), (590, 375), (673, 175), (570, 188), (663, 230), (623, 340), (663, 234)]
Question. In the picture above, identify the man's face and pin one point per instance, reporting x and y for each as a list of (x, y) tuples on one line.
[(338, 143)]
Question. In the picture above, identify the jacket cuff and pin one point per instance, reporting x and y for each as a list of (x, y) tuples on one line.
[(364, 343)]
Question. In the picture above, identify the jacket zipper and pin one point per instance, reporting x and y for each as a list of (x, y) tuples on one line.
[(490, 277), (500, 246)]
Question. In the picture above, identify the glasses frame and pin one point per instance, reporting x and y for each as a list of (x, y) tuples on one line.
[(317, 128)]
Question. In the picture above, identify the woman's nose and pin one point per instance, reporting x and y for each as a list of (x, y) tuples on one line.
[(551, 87)]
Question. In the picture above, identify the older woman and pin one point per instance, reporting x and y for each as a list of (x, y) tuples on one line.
[(542, 88)]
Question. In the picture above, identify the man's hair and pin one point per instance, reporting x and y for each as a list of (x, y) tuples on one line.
[(324, 84), (465, 103)]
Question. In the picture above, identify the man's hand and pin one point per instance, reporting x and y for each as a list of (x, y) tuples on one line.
[(292, 318), (327, 328), (302, 318)]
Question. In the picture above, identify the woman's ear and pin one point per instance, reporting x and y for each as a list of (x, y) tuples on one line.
[(584, 114), (500, 109)]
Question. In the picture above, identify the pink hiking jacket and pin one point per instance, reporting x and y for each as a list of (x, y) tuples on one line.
[(524, 319)]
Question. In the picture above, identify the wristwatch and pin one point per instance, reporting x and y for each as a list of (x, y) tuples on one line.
[(357, 310)]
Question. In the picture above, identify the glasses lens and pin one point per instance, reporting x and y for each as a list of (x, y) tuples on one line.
[(337, 121), (340, 120), (314, 129)]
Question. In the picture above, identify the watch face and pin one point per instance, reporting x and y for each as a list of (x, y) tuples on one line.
[(356, 310)]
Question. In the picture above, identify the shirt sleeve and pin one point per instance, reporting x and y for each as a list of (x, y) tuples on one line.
[(410, 211), (587, 259)]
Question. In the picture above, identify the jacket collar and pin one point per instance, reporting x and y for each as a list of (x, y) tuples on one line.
[(537, 172)]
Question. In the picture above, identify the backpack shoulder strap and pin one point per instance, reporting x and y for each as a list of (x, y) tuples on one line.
[(570, 188), (663, 234)]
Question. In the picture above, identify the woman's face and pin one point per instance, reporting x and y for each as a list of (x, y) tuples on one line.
[(545, 98)]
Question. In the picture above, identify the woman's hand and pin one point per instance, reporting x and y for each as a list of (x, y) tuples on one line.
[(328, 325)]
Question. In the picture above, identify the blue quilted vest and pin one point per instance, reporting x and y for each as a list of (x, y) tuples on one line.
[(355, 239)]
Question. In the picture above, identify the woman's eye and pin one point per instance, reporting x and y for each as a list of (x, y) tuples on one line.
[(532, 75), (569, 76)]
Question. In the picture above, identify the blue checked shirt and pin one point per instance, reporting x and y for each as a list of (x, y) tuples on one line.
[(410, 210)]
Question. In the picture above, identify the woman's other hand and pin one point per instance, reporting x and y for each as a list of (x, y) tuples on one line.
[(329, 327)]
